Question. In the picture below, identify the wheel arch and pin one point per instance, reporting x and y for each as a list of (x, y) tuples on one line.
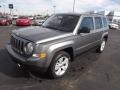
[(105, 36), (64, 46)]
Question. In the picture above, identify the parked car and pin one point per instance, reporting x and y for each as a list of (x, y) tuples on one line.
[(31, 17), (23, 21), (5, 20), (52, 47), (38, 22), (113, 26), (14, 17)]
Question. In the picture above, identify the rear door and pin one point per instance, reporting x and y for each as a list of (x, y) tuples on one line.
[(99, 29)]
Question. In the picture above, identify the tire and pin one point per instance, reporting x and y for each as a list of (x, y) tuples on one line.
[(101, 48), (58, 68)]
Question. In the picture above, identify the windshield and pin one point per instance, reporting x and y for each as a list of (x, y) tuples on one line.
[(3, 17), (62, 22), (23, 17)]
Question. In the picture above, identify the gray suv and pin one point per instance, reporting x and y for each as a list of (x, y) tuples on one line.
[(51, 47)]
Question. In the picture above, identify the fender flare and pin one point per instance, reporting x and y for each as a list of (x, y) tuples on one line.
[(56, 48), (104, 34)]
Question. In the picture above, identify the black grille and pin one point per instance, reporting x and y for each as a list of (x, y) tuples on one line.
[(18, 44)]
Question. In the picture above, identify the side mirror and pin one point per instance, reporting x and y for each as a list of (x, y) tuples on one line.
[(84, 30)]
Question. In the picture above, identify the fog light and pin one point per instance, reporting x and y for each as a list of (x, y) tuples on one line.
[(40, 55)]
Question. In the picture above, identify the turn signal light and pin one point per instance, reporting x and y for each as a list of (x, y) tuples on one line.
[(40, 55)]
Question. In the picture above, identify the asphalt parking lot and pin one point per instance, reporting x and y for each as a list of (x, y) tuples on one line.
[(90, 71)]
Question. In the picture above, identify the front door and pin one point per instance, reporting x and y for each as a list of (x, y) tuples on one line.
[(84, 41)]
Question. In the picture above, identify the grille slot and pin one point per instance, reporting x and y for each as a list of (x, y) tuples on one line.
[(18, 44)]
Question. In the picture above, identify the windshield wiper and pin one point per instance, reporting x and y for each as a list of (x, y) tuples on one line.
[(55, 28), (50, 27)]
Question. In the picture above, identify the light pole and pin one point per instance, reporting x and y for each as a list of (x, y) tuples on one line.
[(4, 9), (54, 8), (0, 9), (74, 6), (47, 11)]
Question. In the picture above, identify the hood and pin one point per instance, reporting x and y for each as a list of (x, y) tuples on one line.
[(2, 19), (36, 34)]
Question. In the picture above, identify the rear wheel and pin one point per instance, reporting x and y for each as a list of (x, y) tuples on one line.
[(59, 65), (102, 46)]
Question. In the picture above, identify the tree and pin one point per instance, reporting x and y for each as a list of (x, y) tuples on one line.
[(2, 1)]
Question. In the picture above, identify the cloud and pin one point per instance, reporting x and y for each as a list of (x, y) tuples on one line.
[(46, 6), (31, 6), (86, 5)]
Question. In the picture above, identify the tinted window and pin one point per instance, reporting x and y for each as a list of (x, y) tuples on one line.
[(105, 22), (98, 22), (87, 22), (62, 22)]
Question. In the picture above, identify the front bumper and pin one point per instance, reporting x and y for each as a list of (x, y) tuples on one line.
[(22, 23), (2, 23), (34, 64)]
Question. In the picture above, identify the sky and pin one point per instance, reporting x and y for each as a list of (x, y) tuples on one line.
[(62, 6)]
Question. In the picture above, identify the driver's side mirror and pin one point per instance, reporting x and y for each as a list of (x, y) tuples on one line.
[(84, 30)]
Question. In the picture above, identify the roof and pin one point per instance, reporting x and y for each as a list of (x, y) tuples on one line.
[(79, 14)]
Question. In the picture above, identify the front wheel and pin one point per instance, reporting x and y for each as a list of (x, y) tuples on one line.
[(102, 46), (59, 65)]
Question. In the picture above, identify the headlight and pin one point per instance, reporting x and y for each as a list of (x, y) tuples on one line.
[(28, 48)]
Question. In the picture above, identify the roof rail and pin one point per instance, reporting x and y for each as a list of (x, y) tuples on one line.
[(93, 13)]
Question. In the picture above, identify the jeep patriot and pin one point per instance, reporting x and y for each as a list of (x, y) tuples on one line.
[(51, 47)]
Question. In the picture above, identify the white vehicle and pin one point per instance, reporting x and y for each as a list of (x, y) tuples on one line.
[(113, 26), (14, 17), (38, 22), (31, 17)]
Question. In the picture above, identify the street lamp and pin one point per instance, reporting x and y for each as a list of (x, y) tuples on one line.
[(0, 8), (4, 9), (54, 8), (74, 6)]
